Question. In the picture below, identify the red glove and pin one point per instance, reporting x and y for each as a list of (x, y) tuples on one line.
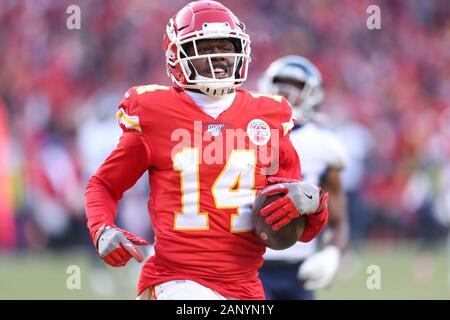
[(298, 198), (116, 246)]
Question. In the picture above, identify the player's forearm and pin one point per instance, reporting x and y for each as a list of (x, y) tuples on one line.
[(100, 205), (337, 205), (338, 221), (120, 171)]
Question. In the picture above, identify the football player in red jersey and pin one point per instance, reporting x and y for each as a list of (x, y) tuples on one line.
[(209, 147)]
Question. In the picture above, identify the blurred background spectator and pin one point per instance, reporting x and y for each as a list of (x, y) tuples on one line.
[(387, 93)]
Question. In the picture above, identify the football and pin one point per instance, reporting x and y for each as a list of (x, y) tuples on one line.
[(284, 237)]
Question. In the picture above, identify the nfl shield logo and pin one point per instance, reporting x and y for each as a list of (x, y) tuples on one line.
[(214, 129)]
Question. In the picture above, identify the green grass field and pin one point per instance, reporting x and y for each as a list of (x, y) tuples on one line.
[(404, 275)]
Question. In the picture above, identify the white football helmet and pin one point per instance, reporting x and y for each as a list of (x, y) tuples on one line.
[(297, 79), (199, 21)]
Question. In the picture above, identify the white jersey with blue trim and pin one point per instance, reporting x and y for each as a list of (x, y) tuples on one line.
[(318, 150)]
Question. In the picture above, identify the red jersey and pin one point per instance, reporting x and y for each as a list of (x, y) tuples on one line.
[(204, 175)]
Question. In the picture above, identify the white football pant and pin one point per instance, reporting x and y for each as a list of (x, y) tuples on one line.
[(180, 290)]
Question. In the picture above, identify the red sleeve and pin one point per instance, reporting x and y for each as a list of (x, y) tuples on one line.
[(120, 171), (314, 223), (289, 165)]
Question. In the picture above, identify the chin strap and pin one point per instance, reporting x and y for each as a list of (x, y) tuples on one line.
[(214, 88)]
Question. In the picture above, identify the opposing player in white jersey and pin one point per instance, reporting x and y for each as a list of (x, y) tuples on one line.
[(296, 272)]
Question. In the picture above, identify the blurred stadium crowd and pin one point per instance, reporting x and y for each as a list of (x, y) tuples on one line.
[(387, 96)]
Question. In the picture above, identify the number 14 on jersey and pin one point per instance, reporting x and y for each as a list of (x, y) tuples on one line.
[(234, 188)]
